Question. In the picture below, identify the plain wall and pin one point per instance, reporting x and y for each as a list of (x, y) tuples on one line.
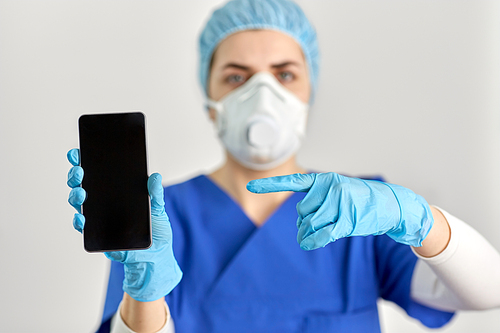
[(408, 90)]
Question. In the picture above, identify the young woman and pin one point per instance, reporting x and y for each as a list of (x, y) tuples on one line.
[(229, 260)]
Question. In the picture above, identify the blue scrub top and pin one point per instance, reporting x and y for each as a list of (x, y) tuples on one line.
[(243, 278)]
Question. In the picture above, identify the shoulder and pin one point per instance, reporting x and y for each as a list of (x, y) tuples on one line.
[(188, 195), (195, 183)]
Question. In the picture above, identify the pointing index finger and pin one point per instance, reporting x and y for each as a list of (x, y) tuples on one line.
[(298, 182)]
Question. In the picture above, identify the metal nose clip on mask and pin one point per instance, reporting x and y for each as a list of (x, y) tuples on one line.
[(261, 123)]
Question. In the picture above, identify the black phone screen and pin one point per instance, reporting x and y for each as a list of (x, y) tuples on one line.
[(114, 160)]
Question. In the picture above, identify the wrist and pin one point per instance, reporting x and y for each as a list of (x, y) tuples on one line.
[(143, 316), (415, 219), (438, 238)]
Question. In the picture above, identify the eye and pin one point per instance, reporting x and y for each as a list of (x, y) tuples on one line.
[(235, 79), (285, 77)]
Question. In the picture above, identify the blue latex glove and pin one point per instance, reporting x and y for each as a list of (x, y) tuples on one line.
[(337, 206), (149, 274)]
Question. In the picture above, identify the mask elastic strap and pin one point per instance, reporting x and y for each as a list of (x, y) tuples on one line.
[(219, 121), (212, 104)]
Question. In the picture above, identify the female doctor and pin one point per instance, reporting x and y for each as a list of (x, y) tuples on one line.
[(226, 259)]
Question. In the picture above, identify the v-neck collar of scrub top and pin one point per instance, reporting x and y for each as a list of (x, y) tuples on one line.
[(271, 217), (275, 232)]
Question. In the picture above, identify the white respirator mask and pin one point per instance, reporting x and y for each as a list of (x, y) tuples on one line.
[(261, 123)]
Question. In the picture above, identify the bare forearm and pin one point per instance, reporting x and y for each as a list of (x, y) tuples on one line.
[(438, 237), (143, 316)]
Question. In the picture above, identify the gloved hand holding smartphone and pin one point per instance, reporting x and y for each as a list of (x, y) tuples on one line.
[(149, 274)]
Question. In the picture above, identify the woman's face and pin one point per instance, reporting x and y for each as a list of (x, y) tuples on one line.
[(245, 53)]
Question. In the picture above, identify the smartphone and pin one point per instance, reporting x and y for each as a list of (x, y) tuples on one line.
[(114, 160)]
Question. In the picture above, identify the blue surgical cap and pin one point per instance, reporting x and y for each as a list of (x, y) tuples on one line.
[(238, 15)]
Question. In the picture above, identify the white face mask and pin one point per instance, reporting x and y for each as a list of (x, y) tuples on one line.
[(261, 123)]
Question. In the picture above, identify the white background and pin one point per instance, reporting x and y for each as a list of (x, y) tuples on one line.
[(408, 89)]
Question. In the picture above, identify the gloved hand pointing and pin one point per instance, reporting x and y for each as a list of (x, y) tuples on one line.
[(149, 274), (337, 206)]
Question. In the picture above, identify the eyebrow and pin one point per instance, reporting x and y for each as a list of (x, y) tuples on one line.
[(235, 65), (246, 68), (284, 64)]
